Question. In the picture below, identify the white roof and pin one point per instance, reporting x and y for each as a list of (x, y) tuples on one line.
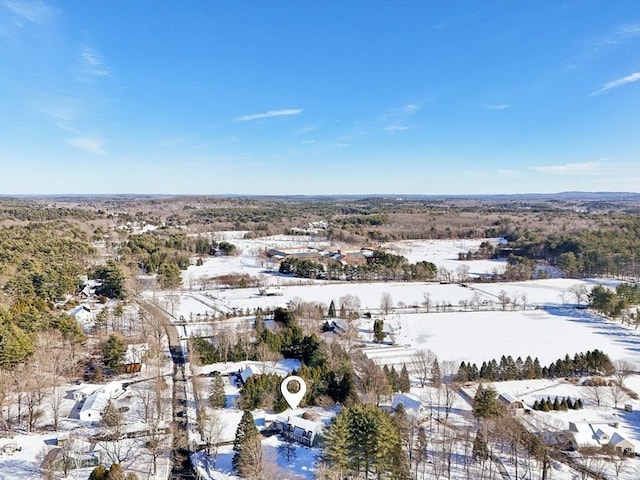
[(508, 397), (299, 422), (96, 402), (248, 371), (88, 389), (410, 403)]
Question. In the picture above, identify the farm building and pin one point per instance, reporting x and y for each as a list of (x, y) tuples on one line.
[(412, 405), (512, 404)]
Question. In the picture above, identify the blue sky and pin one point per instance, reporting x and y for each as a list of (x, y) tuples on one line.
[(319, 97)]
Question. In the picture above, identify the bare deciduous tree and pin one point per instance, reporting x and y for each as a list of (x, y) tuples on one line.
[(349, 305), (386, 303), (580, 292), (422, 363)]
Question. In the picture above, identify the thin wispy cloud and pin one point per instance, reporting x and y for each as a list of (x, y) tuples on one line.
[(92, 63), (270, 114), (397, 119), (585, 168), (88, 144), (31, 11), (498, 106), (20, 17), (634, 77)]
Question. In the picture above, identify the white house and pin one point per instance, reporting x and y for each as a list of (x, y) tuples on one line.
[(584, 434), (622, 445), (95, 403), (82, 314), (301, 430), (81, 394)]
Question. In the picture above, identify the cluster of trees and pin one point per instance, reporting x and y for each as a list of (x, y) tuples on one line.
[(398, 382), (614, 303), (381, 266), (21, 324), (364, 440), (42, 259), (114, 472), (590, 362), (262, 391), (612, 249), (567, 403)]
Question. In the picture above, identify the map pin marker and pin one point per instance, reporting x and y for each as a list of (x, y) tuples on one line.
[(293, 399)]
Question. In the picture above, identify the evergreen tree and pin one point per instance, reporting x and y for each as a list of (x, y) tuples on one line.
[(480, 450), (259, 325), (113, 352), (462, 375), (115, 472), (485, 403), (563, 404), (364, 439), (404, 383), (537, 370), (378, 331), (436, 375), (394, 379), (247, 445), (218, 398), (578, 405), (98, 473), (338, 443), (556, 404), (528, 372), (332, 310)]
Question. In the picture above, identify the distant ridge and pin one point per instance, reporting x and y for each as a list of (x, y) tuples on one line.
[(569, 195)]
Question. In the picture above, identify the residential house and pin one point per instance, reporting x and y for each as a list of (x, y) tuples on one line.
[(585, 434), (298, 429), (94, 404), (82, 314)]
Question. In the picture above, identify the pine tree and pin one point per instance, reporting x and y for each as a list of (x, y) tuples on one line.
[(537, 370), (480, 450), (259, 325), (578, 404), (485, 403), (364, 439), (247, 446), (404, 383), (378, 331), (436, 376), (218, 398), (332, 310), (569, 403), (115, 472), (98, 473), (462, 375), (394, 379)]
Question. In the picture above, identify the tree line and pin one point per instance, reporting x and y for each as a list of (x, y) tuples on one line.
[(380, 266), (588, 363)]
